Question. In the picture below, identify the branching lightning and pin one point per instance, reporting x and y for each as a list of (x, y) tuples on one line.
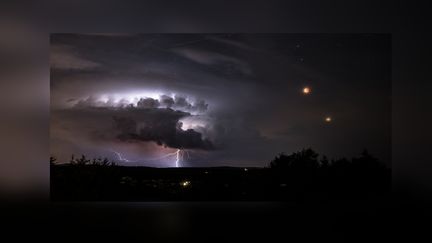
[(178, 155), (177, 158), (120, 157)]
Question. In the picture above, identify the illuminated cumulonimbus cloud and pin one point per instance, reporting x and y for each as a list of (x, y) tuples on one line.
[(145, 101), (173, 121)]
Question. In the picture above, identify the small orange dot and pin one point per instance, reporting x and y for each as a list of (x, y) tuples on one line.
[(306, 90), (328, 119)]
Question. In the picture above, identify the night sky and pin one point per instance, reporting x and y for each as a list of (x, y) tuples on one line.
[(219, 99)]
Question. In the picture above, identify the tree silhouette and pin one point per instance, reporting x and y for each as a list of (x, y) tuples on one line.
[(72, 160), (342, 164), (305, 159), (94, 162), (52, 160), (82, 161), (105, 162), (367, 162), (324, 162)]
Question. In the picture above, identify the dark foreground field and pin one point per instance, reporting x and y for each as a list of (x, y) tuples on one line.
[(121, 183)]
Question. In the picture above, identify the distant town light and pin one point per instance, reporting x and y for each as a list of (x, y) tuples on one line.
[(185, 183), (245, 169)]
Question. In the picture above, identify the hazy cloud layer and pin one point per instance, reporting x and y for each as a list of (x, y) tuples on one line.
[(66, 58), (215, 59)]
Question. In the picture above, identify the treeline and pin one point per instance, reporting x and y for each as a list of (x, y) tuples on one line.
[(307, 171), (300, 176), (304, 160), (308, 159), (83, 160)]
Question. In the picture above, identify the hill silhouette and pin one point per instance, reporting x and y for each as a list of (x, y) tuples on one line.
[(300, 176)]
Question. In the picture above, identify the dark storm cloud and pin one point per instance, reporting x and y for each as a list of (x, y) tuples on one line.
[(183, 103), (167, 101), (90, 101), (161, 126), (200, 106), (148, 103), (132, 124), (153, 124), (165, 132)]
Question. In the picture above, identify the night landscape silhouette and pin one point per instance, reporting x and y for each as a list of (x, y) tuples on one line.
[(299, 176)]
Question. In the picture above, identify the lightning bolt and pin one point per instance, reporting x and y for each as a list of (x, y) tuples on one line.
[(120, 156), (187, 153), (179, 154), (177, 157)]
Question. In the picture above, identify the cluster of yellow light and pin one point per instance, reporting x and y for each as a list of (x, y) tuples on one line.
[(306, 90), (185, 183), (328, 119)]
